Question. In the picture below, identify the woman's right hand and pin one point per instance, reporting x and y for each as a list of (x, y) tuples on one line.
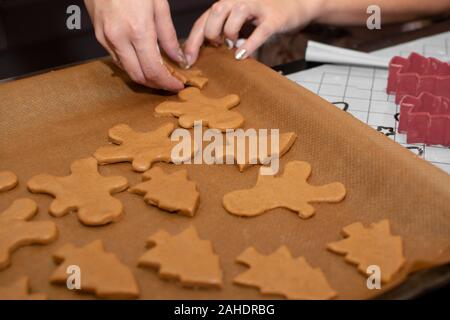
[(131, 31)]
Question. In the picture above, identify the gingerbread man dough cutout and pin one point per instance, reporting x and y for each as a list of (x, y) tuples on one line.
[(141, 148), (185, 257), (213, 113), (170, 192), (279, 273), (290, 190), (20, 290), (17, 231), (374, 245), (84, 191), (8, 180), (102, 273), (286, 140), (191, 77)]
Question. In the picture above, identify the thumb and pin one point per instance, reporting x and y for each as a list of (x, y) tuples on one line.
[(195, 39), (167, 36)]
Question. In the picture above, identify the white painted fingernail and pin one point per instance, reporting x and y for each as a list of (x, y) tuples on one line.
[(239, 43), (240, 54), (229, 43)]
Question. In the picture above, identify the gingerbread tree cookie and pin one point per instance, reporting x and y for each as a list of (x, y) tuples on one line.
[(85, 191), (374, 245), (102, 273), (191, 77), (286, 140), (194, 106), (8, 180), (20, 290), (170, 192), (290, 190), (184, 257), (141, 148), (279, 273), (17, 231)]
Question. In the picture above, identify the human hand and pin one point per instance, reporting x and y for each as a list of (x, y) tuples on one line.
[(130, 31), (226, 18)]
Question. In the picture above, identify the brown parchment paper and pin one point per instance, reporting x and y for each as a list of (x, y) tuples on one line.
[(47, 121)]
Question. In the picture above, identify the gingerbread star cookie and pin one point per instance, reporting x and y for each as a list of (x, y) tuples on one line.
[(290, 190), (8, 180), (279, 273), (141, 148), (191, 77), (195, 107), (20, 290), (84, 191), (17, 231), (102, 273), (239, 149), (170, 192), (374, 245), (184, 257)]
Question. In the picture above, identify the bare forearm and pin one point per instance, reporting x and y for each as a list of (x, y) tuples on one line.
[(353, 12)]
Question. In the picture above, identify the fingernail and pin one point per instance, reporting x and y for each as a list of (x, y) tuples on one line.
[(182, 60), (239, 43), (189, 60), (241, 54), (230, 43)]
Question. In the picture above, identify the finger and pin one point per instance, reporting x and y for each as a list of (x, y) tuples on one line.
[(129, 61), (100, 36), (256, 39), (239, 14), (165, 30), (113, 54), (216, 20), (155, 73), (195, 39)]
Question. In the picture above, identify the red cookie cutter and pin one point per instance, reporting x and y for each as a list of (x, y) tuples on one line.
[(425, 119), (417, 74)]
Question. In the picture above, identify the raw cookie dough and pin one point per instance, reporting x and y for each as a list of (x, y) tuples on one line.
[(16, 231), (290, 190), (85, 191), (194, 106), (286, 140), (20, 290), (374, 245), (8, 180), (170, 192), (184, 257), (279, 273), (102, 273), (140, 148), (191, 77)]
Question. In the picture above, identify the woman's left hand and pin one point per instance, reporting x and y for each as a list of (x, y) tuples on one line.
[(226, 18)]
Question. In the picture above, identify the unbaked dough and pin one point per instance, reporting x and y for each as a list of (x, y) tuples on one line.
[(290, 190)]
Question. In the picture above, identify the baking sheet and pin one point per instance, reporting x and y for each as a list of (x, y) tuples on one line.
[(47, 121)]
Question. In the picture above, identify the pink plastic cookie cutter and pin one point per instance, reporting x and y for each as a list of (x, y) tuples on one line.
[(417, 74), (425, 119)]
